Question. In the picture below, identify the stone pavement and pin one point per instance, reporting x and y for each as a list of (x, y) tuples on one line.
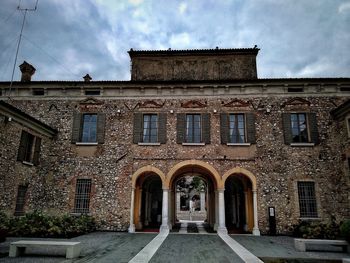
[(123, 247)]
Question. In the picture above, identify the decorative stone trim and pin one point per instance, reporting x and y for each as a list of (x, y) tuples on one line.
[(307, 144), (193, 143), (27, 163), (149, 143), (86, 143), (239, 144)]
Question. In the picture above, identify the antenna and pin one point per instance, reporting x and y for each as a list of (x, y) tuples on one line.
[(20, 37)]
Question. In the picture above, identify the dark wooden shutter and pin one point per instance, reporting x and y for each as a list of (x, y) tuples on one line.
[(76, 127), (250, 125), (313, 128), (206, 128), (287, 128), (137, 135), (162, 119), (224, 128), (36, 155), (22, 146), (101, 123), (180, 127)]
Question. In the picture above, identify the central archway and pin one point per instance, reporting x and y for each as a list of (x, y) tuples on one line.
[(207, 174)]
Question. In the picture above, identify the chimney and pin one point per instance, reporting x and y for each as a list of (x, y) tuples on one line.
[(27, 71), (87, 78)]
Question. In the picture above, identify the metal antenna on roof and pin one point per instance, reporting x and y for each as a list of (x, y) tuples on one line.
[(20, 37)]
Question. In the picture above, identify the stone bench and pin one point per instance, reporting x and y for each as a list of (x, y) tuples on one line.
[(18, 248), (300, 243)]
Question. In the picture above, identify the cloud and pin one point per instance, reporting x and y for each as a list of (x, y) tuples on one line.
[(182, 8), (344, 7), (181, 40), (135, 2)]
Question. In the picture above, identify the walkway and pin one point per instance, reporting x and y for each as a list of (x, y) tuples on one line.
[(104, 247)]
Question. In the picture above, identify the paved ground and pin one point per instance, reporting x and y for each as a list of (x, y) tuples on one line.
[(194, 248), (122, 247)]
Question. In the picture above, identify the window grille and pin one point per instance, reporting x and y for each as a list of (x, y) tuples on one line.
[(82, 196), (20, 201), (307, 199)]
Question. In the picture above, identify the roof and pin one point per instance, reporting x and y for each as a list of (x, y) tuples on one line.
[(341, 111), (197, 52), (73, 83), (26, 120)]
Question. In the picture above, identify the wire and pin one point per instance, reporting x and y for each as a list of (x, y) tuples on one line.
[(54, 59), (6, 19)]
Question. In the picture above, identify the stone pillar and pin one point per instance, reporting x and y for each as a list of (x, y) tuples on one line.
[(139, 224), (178, 201), (146, 222), (165, 209), (171, 209), (216, 224), (132, 226), (246, 210), (256, 230), (222, 227), (238, 201), (202, 196)]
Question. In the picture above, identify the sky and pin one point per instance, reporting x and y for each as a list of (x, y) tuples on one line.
[(66, 39)]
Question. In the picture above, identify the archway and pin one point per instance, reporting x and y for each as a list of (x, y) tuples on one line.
[(207, 174), (241, 201), (146, 199)]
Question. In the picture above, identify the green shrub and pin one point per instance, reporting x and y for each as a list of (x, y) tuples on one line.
[(4, 221), (345, 230), (37, 224), (318, 230)]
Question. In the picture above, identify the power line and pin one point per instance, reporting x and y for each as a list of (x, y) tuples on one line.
[(54, 59)]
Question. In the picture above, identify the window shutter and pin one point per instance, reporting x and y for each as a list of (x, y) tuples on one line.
[(162, 127), (36, 156), (22, 146), (137, 128), (313, 128), (206, 128), (250, 125), (76, 127), (101, 123), (180, 127), (287, 128), (224, 129)]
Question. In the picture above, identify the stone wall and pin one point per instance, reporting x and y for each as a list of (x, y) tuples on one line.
[(276, 166)]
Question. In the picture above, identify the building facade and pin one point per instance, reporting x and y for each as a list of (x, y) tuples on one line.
[(117, 149)]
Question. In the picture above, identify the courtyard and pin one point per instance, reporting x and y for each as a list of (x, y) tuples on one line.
[(183, 245)]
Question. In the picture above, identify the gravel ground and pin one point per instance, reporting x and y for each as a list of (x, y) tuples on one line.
[(194, 248)]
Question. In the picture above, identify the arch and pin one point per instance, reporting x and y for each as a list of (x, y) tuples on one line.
[(240, 170), (147, 169), (170, 176)]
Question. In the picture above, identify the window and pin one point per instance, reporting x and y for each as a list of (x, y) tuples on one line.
[(193, 128), (38, 92), (307, 199), (20, 201), (92, 92), (29, 148), (88, 128), (82, 196), (150, 129), (299, 127), (237, 128)]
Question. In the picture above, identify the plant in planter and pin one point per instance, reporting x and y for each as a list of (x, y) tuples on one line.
[(4, 222), (345, 230)]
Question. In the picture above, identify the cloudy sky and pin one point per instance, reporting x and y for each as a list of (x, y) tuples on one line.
[(65, 39)]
